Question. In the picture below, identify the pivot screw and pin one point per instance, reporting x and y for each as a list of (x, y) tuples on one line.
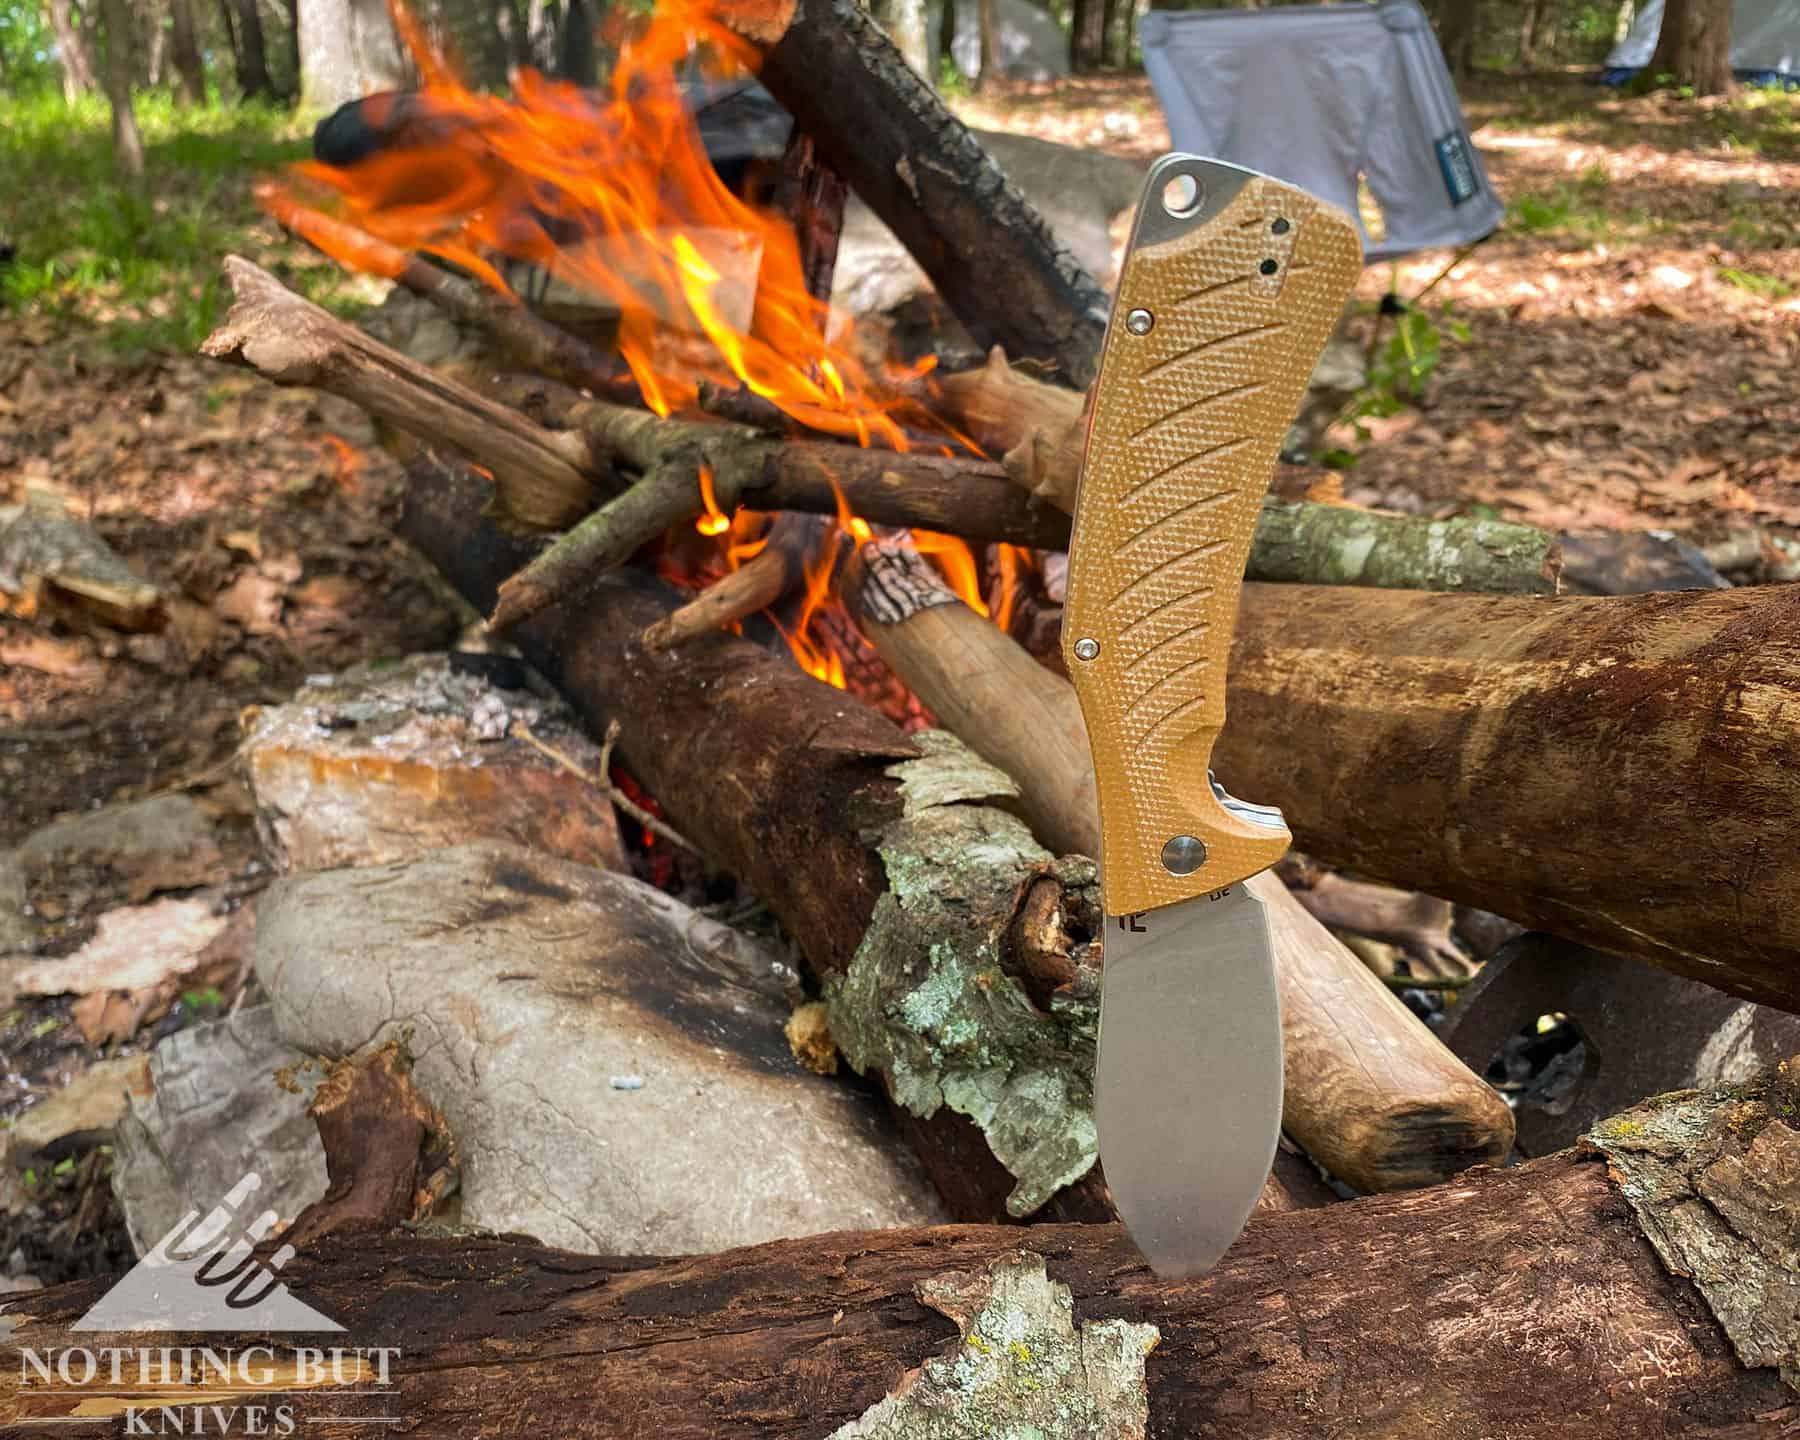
[(1138, 322), (1184, 855), (1086, 649)]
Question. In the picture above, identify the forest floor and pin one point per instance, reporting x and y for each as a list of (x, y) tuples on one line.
[(1633, 333)]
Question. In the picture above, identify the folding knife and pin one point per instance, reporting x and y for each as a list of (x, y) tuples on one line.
[(1232, 284)]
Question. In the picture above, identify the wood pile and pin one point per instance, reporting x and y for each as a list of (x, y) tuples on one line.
[(1413, 693)]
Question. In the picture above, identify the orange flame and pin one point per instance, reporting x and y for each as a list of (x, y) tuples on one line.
[(712, 522), (614, 194)]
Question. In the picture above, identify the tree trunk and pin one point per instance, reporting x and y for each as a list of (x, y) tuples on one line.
[(1623, 771), (988, 19), (190, 70), (348, 49), (1114, 20), (947, 36), (1694, 46), (248, 49), (128, 145), (1457, 36), (905, 21), (1533, 14), (73, 51), (1641, 1289), (1087, 36)]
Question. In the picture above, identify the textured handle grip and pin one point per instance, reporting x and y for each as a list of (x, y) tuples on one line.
[(1242, 290)]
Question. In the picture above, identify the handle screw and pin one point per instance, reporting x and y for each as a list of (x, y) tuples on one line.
[(1184, 855), (1138, 322), (1086, 649)]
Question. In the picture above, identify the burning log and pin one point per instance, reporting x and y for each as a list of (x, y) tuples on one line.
[(1621, 771), (881, 126), (1371, 1094), (1656, 1266)]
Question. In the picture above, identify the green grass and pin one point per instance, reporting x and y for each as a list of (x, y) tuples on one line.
[(1770, 287), (138, 266), (1583, 209)]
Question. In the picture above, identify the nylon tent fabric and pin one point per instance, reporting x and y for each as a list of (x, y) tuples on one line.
[(1322, 95), (1765, 42)]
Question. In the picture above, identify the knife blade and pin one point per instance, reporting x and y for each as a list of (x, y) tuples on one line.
[(1231, 286)]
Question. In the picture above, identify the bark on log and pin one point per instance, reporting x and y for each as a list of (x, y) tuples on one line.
[(1623, 771), (293, 342), (881, 126), (1370, 1093), (1523, 1302)]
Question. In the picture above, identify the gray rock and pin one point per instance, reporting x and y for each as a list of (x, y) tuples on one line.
[(531, 987), (119, 855), (80, 1114), (225, 1098), (1080, 192)]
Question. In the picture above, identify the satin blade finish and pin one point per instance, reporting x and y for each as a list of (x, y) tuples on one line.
[(1188, 1085)]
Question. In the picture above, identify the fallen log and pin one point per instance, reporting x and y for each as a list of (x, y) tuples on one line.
[(1370, 1093), (880, 125), (1622, 771), (1642, 1286)]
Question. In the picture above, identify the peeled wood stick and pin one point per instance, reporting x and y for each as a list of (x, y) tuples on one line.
[(1370, 1093), (293, 342), (755, 585), (1621, 770), (529, 338)]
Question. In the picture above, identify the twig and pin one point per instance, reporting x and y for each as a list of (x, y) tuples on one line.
[(603, 541), (756, 585), (603, 782)]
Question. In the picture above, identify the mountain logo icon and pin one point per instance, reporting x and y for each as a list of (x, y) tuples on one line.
[(203, 1276)]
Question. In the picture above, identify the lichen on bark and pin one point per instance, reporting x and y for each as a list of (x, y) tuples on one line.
[(1021, 1370), (927, 1002), (1714, 1179)]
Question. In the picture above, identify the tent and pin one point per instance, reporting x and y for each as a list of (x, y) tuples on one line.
[(1327, 96), (1765, 42)]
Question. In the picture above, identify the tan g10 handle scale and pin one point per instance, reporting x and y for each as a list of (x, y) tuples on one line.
[(1231, 287)]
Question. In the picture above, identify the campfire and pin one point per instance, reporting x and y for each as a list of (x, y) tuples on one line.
[(721, 303)]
